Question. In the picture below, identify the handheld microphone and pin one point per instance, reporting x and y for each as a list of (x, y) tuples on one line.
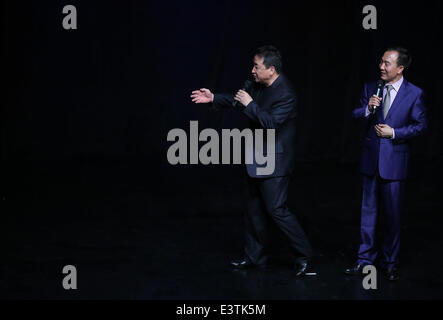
[(378, 92), (247, 85)]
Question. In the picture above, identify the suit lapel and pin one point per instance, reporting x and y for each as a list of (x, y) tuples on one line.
[(402, 93)]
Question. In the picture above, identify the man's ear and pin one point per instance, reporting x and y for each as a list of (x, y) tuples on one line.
[(402, 68), (272, 69)]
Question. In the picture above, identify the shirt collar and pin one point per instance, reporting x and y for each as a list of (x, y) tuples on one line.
[(397, 85)]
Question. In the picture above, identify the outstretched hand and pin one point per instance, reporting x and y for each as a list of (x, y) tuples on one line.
[(202, 96)]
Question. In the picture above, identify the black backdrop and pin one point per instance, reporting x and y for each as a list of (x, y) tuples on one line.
[(108, 93)]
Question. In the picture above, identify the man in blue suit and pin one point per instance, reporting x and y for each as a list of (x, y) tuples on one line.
[(393, 121), (269, 103)]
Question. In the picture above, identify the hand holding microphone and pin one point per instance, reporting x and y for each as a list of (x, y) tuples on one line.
[(374, 103), (242, 96), (375, 100)]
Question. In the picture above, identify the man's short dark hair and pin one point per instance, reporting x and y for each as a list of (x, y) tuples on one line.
[(404, 57), (271, 57)]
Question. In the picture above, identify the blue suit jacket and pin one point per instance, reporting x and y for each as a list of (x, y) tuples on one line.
[(407, 116)]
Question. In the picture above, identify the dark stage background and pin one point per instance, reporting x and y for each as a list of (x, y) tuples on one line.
[(86, 112)]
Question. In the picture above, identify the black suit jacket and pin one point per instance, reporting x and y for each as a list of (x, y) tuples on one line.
[(273, 107)]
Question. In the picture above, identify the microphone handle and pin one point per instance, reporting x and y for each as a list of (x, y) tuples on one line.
[(374, 108)]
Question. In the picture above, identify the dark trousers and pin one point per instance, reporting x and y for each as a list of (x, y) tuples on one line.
[(267, 197), (380, 197)]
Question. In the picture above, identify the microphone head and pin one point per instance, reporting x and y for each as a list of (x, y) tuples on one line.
[(380, 83), (247, 84)]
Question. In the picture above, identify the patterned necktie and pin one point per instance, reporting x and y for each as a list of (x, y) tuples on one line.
[(387, 101)]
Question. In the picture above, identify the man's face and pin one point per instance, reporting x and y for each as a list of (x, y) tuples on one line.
[(389, 70), (259, 71)]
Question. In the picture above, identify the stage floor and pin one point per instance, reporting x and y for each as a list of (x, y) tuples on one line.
[(129, 240)]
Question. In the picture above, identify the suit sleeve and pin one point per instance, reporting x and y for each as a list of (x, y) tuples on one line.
[(418, 121), (360, 111), (222, 101), (275, 116)]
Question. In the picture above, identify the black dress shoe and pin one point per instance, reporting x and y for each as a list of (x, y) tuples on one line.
[(245, 264), (354, 270), (302, 266), (392, 274)]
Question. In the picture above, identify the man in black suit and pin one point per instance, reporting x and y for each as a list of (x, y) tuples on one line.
[(270, 103)]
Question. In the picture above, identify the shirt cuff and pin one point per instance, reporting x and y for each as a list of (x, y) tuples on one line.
[(393, 134), (367, 112)]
